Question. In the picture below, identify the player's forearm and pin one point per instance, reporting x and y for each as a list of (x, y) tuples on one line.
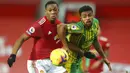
[(75, 49), (17, 45), (100, 51), (99, 48), (106, 54)]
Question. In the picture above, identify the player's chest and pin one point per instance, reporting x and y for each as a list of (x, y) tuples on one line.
[(49, 30), (89, 35), (85, 36)]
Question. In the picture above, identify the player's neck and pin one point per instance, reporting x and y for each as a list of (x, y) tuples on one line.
[(51, 21)]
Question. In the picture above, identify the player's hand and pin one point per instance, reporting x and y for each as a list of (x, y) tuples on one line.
[(11, 60), (107, 63), (90, 55)]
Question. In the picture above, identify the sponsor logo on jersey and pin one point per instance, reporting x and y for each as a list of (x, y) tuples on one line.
[(42, 21)]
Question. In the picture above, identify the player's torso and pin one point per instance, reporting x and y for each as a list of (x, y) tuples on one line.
[(85, 38), (49, 41), (49, 31)]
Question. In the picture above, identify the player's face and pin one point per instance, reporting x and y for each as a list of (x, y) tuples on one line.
[(52, 11), (87, 18)]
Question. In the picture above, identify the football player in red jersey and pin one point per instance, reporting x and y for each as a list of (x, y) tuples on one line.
[(96, 65), (44, 33)]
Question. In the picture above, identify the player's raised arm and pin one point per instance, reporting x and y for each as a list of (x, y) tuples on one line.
[(16, 47)]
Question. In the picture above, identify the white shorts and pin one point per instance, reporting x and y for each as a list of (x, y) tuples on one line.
[(43, 66)]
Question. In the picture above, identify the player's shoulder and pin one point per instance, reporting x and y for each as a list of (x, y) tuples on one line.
[(79, 24), (75, 28), (96, 20), (95, 23)]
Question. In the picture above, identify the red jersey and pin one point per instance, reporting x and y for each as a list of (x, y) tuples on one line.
[(105, 46), (45, 38)]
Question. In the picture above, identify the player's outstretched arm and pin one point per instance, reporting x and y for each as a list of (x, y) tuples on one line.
[(100, 51), (16, 47)]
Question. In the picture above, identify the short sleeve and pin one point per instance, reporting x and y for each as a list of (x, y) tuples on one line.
[(35, 30), (74, 28)]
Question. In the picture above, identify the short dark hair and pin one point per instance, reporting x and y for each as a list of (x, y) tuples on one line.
[(85, 8), (50, 2)]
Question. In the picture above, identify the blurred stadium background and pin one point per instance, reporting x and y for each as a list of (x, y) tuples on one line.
[(17, 15)]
